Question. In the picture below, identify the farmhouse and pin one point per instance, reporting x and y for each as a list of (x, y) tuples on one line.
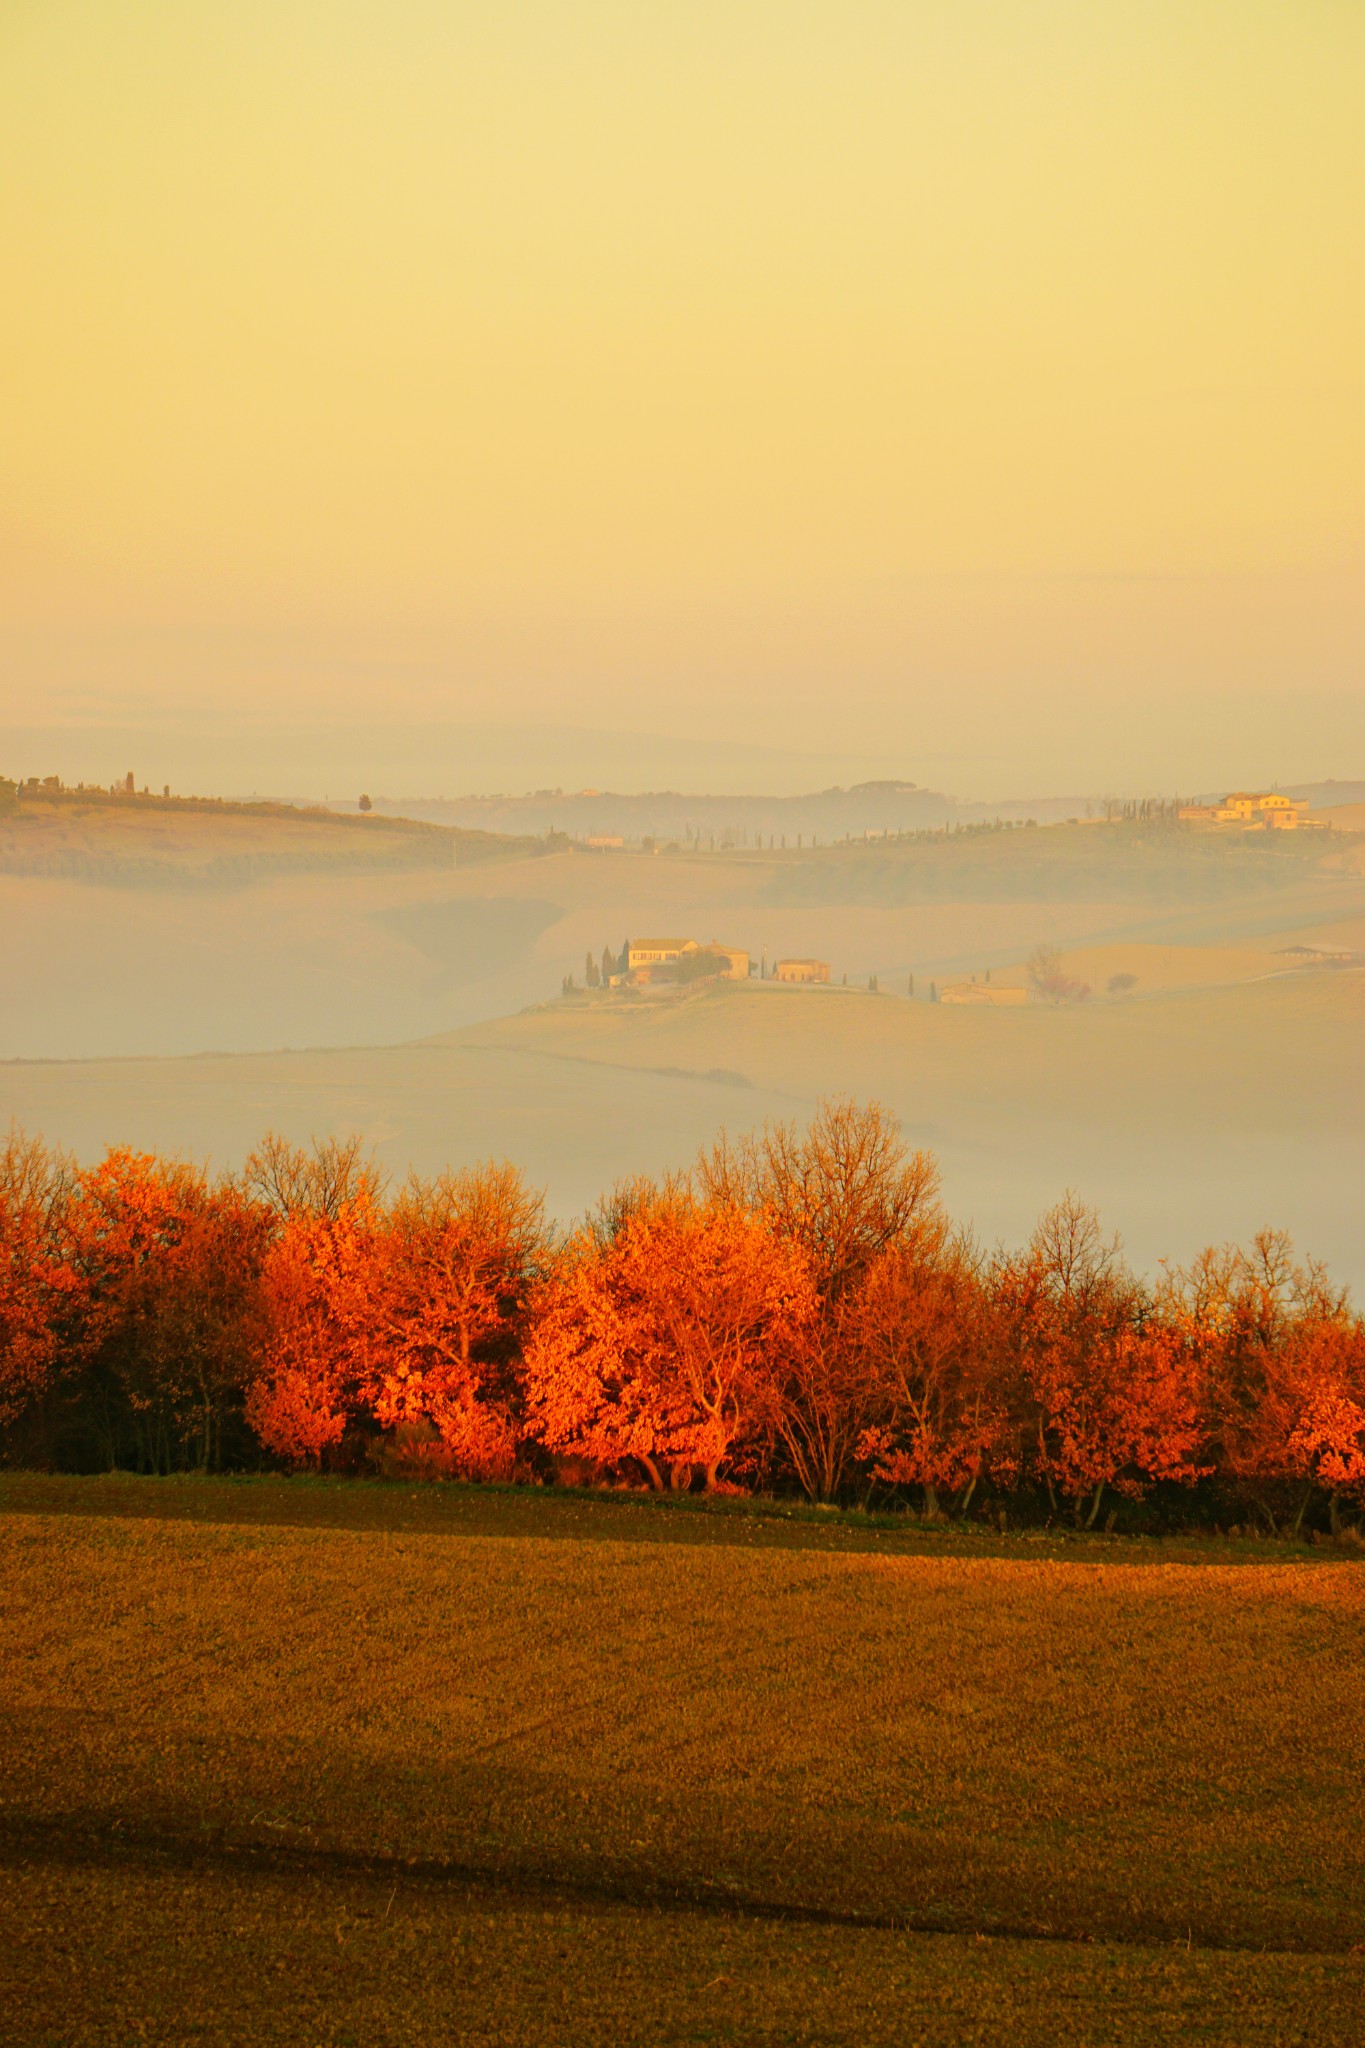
[(1263, 810), (738, 962), (643, 956), (801, 970), (1321, 956), (1258, 807), (657, 952)]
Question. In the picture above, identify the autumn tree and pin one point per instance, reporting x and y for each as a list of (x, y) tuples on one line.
[(170, 1270), (1048, 979), (326, 1202), (402, 1316), (305, 1389), (921, 1341), (321, 1179), (662, 1345), (448, 1299), (1317, 1409), (39, 1287), (1283, 1361), (844, 1191), (1103, 1394)]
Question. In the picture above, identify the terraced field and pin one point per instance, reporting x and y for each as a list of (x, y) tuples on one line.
[(354, 1763)]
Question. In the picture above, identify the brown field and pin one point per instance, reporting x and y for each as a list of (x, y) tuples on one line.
[(338, 1763)]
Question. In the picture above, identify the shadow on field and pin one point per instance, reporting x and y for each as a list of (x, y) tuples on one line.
[(592, 1515), (95, 1841), (235, 1957), (1016, 1748), (948, 1903)]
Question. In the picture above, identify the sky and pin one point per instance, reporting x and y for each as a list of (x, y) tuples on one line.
[(752, 393)]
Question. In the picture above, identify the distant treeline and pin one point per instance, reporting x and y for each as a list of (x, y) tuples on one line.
[(1113, 860), (795, 1314), (55, 794)]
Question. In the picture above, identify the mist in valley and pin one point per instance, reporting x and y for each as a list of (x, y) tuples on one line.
[(183, 979)]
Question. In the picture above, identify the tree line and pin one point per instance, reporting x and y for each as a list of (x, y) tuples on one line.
[(797, 1313)]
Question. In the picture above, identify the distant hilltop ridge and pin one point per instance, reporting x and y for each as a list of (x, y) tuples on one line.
[(887, 805), (607, 818)]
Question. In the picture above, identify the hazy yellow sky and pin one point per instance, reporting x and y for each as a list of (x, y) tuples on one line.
[(970, 386)]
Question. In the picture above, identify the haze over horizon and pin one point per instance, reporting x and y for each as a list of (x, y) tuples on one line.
[(442, 401), (737, 396), (334, 761)]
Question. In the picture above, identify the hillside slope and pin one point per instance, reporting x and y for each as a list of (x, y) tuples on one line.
[(1192, 1116), (142, 841), (151, 930)]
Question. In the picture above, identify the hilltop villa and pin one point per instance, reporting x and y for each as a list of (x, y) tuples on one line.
[(642, 955), (1263, 810)]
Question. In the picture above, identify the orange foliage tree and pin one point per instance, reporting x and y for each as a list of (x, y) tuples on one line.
[(794, 1310), (1106, 1395), (1283, 1361), (39, 1287), (456, 1265), (325, 1204), (322, 1202), (1284, 1367), (921, 1334), (304, 1392), (662, 1343), (406, 1315), (844, 1191), (170, 1270), (1324, 1370)]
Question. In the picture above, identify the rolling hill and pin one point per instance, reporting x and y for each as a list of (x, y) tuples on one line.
[(154, 993), (140, 927), (1188, 1116)]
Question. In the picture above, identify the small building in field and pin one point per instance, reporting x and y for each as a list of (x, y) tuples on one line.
[(1320, 956), (1267, 809), (990, 994), (657, 952), (801, 970), (723, 963), (599, 842)]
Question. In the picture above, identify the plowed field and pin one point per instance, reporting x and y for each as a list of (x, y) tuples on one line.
[(479, 1779)]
